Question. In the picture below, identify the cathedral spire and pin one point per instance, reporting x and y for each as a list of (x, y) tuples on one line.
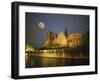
[(66, 32)]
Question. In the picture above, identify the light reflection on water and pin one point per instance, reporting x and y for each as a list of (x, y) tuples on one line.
[(33, 61)]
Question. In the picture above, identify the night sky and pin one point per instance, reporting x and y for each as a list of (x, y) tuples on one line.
[(53, 22)]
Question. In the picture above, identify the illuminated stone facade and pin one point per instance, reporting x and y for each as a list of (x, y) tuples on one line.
[(74, 39), (61, 39)]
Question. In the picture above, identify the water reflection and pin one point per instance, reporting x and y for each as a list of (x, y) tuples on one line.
[(33, 61)]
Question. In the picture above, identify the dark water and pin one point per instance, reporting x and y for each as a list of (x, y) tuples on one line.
[(32, 62)]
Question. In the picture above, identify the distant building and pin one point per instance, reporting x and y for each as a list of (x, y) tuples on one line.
[(74, 39), (63, 39)]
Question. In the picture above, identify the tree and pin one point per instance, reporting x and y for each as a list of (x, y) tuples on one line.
[(29, 47), (85, 39)]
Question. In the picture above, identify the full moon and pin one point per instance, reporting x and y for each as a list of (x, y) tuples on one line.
[(41, 25)]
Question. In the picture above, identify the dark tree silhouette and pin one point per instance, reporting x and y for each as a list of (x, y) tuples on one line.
[(85, 39)]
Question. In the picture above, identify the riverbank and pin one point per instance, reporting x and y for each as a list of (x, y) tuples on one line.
[(78, 53), (55, 55)]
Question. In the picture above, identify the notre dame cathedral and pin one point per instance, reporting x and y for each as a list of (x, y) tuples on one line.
[(63, 39)]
